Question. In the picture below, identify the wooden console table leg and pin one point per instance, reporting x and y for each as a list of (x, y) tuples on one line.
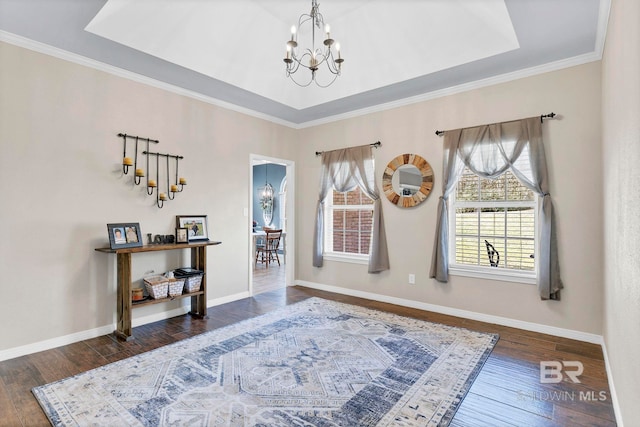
[(199, 302), (123, 330)]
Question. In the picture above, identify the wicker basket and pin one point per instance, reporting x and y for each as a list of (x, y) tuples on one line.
[(192, 283), (157, 286), (175, 287)]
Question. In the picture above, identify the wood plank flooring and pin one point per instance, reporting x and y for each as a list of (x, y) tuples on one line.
[(507, 391), (270, 278)]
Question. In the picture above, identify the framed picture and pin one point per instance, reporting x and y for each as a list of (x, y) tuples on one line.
[(125, 235), (196, 226), (182, 235)]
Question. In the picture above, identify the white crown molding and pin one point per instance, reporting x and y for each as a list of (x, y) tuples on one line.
[(12, 353), (491, 81), (503, 78), (603, 22), (482, 317), (46, 49)]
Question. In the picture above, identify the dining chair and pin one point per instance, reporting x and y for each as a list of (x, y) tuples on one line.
[(268, 251)]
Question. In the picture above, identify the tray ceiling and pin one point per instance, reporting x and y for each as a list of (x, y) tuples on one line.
[(231, 50)]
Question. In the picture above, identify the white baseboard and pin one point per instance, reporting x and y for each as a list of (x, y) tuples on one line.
[(612, 388), (488, 318), (12, 353)]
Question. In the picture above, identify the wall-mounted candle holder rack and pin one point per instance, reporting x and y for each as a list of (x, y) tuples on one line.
[(151, 184)]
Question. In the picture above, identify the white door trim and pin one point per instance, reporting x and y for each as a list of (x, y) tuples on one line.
[(290, 214)]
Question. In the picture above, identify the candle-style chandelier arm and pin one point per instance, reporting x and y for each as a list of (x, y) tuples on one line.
[(312, 57)]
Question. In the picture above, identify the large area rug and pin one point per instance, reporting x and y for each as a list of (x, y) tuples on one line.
[(314, 363)]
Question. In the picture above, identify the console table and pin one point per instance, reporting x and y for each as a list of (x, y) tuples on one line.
[(125, 305)]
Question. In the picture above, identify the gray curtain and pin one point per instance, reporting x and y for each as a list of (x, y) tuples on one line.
[(488, 151), (344, 170)]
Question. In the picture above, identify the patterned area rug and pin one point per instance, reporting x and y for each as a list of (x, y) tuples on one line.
[(314, 363)]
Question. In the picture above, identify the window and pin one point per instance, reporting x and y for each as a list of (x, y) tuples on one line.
[(501, 212), (349, 220)]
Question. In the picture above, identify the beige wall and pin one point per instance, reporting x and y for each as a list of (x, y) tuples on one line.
[(573, 151), (58, 136), (621, 154), (62, 183)]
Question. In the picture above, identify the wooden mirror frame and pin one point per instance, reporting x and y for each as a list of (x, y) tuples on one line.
[(427, 180)]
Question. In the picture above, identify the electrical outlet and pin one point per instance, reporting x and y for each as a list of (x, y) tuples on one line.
[(412, 279)]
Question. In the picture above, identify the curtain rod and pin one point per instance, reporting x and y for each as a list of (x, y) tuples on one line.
[(543, 116), (374, 144)]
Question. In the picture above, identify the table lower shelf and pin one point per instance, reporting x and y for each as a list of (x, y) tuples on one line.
[(194, 312), (151, 301)]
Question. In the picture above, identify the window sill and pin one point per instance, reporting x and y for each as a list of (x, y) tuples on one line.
[(341, 257), (493, 274)]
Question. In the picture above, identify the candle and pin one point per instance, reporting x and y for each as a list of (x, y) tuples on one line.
[(127, 161), (288, 52), (183, 181), (338, 49), (139, 172), (163, 196), (327, 29), (152, 183), (174, 188), (293, 32)]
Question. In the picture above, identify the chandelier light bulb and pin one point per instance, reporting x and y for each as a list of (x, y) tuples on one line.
[(327, 29)]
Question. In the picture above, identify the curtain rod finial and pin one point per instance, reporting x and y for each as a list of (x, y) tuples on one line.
[(547, 116)]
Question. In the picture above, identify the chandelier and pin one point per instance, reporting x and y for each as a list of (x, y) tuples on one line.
[(267, 191), (312, 57), (266, 198)]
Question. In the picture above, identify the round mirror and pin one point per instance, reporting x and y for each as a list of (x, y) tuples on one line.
[(407, 180)]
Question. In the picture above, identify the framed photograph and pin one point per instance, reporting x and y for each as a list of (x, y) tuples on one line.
[(196, 226), (125, 235), (182, 235)]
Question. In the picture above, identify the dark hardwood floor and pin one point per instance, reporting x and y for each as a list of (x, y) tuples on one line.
[(507, 391)]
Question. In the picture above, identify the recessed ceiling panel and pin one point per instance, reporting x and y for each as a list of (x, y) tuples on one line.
[(242, 42)]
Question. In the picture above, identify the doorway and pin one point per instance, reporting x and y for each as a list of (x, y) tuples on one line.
[(268, 176)]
